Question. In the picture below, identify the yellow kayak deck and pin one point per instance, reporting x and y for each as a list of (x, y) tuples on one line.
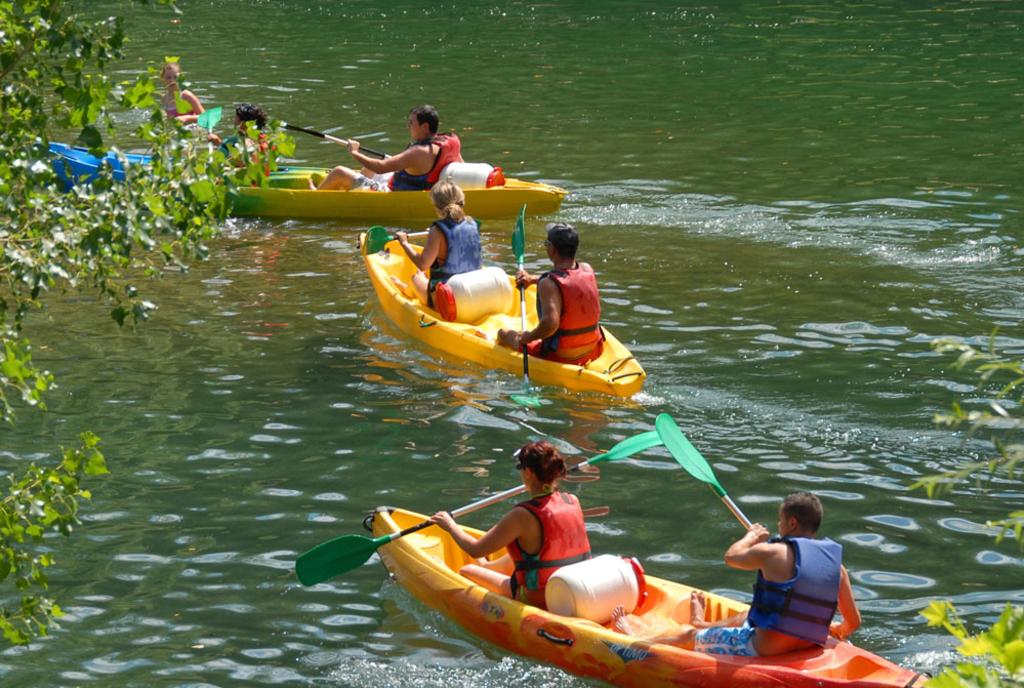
[(615, 372), (289, 196), (427, 564)]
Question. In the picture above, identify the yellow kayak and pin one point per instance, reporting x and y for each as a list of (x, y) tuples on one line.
[(614, 372), (289, 196), (426, 564)]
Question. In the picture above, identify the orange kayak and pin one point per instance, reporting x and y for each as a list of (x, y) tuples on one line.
[(426, 563)]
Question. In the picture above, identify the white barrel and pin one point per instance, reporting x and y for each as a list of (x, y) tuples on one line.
[(475, 294), (591, 589), (468, 175)]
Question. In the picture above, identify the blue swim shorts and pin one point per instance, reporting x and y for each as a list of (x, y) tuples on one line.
[(726, 640)]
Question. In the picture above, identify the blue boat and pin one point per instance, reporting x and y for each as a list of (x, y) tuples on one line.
[(78, 166)]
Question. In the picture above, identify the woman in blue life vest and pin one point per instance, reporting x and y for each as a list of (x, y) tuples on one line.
[(801, 583), (453, 244), (541, 534)]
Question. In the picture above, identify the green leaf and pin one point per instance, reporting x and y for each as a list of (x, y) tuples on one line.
[(203, 190), (90, 138), (96, 465), (140, 94)]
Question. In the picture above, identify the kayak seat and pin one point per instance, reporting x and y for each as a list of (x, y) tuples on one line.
[(430, 544)]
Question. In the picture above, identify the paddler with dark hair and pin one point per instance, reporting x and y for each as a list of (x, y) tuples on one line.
[(801, 582), (568, 305), (417, 168), (542, 534)]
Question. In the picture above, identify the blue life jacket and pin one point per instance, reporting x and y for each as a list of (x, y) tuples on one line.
[(463, 240), (804, 605)]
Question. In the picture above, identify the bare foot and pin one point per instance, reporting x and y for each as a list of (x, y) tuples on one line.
[(698, 605), (311, 183), (619, 622), (403, 287)]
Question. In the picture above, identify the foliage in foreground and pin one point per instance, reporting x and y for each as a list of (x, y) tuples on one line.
[(101, 238), (42, 500), (1001, 646)]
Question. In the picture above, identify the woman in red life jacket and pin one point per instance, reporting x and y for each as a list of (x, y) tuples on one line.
[(417, 168), (568, 305), (542, 533), (453, 245), (170, 74)]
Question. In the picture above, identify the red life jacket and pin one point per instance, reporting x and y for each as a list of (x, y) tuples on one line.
[(579, 326), (450, 151), (563, 541)]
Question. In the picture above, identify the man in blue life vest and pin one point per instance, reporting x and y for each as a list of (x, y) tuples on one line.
[(800, 583), (568, 305), (416, 168)]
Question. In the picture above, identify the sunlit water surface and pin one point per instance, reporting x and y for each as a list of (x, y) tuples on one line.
[(784, 205)]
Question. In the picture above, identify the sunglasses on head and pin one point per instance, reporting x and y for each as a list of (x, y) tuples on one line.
[(519, 461)]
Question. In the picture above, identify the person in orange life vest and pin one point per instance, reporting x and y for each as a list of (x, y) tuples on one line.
[(800, 584), (244, 113), (417, 168), (453, 244), (170, 74), (568, 305), (542, 534)]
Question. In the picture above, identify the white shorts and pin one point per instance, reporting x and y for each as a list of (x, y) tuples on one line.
[(378, 182)]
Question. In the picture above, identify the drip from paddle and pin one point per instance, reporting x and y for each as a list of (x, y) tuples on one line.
[(344, 142), (342, 554), (687, 456), (527, 398)]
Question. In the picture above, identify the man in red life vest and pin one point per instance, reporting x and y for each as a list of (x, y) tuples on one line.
[(568, 305), (417, 168), (801, 583)]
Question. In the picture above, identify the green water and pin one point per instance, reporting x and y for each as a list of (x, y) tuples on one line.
[(784, 205)]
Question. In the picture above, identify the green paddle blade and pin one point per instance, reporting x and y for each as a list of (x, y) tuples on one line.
[(208, 120), (335, 557), (377, 238), (685, 454), (629, 446), (519, 236)]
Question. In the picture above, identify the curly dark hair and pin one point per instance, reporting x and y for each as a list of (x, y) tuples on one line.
[(247, 112), (546, 462)]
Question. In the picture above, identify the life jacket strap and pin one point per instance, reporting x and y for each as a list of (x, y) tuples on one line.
[(785, 608), (535, 564), (577, 330)]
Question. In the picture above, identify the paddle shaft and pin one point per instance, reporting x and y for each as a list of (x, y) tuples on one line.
[(736, 511), (335, 139), (414, 234), (522, 327)]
